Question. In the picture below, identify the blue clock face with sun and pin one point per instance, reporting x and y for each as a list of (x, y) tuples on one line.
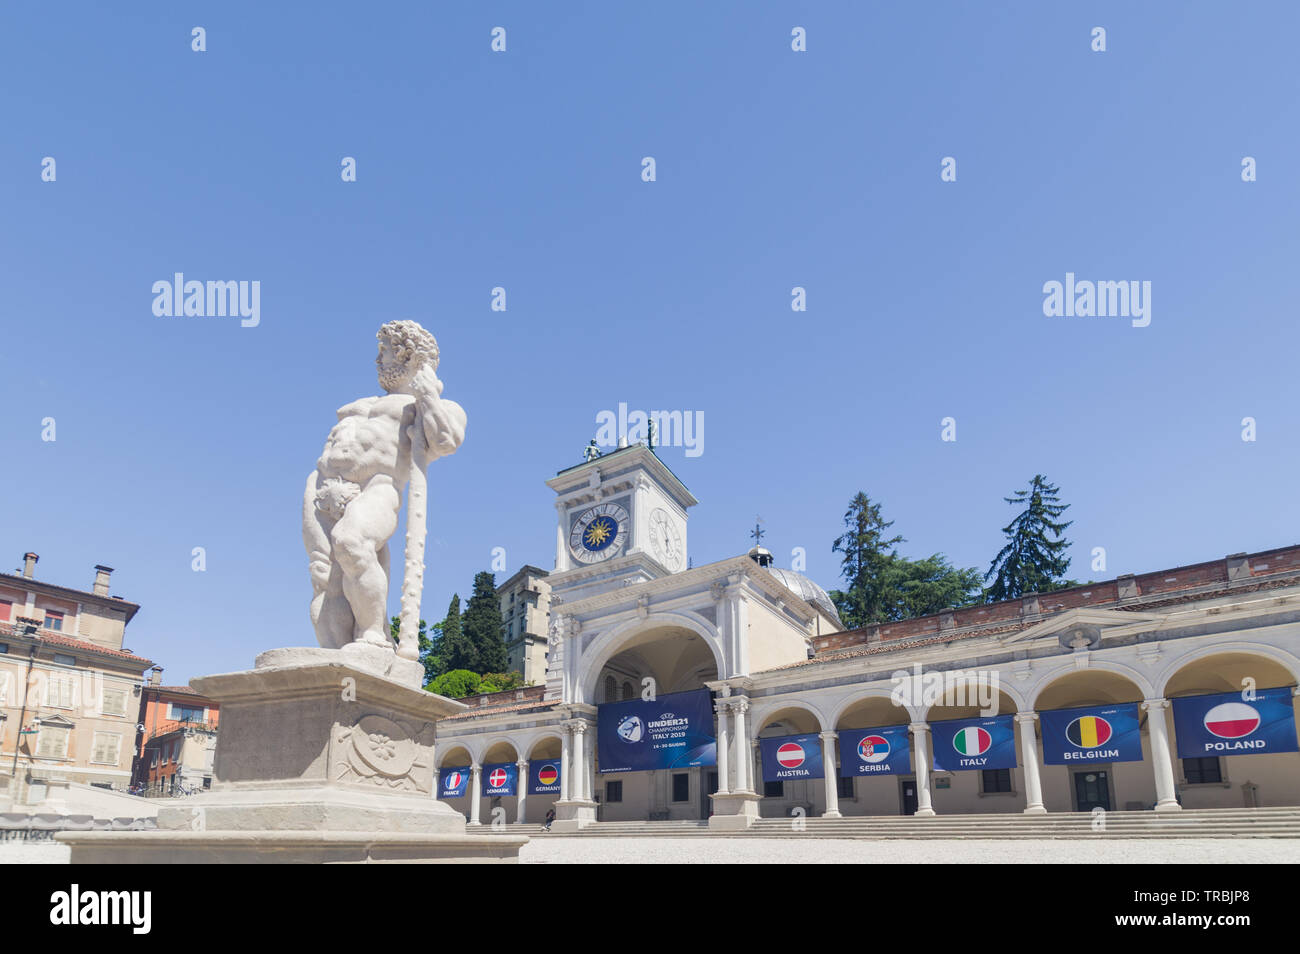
[(599, 533)]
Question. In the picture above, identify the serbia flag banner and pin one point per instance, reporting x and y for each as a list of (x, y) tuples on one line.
[(883, 751), (791, 757), (964, 744), (453, 781), (1229, 724), (1091, 734), (500, 778)]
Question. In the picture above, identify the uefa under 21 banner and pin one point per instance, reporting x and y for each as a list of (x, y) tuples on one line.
[(452, 782), (963, 744), (1227, 724), (791, 757), (674, 731), (544, 777), (882, 751), (1091, 734)]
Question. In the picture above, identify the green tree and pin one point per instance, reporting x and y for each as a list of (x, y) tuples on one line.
[(456, 650), (482, 625), (868, 553), (501, 681), (1032, 561), (455, 684), (884, 586), (428, 646)]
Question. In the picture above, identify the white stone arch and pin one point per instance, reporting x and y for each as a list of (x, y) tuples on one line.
[(1017, 697), (861, 695), (540, 736), (1280, 656), (486, 747), (449, 745), (606, 646), (1052, 676), (762, 712)]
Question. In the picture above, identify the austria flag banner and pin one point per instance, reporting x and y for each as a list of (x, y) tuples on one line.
[(964, 744), (544, 777), (452, 782), (791, 757), (884, 751), (1091, 734), (500, 778), (1228, 724)]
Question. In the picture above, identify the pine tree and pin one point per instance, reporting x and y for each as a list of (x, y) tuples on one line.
[(1031, 562), (868, 554), (457, 651), (482, 625)]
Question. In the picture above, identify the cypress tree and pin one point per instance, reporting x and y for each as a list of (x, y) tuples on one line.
[(482, 626), (1031, 562), (457, 652)]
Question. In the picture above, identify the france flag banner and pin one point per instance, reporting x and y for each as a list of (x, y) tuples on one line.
[(452, 782), (791, 757), (1091, 734), (882, 751), (1230, 724), (500, 778), (965, 744)]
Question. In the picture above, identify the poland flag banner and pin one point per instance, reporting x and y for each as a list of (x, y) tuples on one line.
[(1235, 723)]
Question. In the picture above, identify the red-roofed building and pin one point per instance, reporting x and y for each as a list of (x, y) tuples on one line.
[(177, 740), (68, 687)]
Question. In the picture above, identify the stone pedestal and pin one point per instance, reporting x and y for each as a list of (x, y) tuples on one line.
[(574, 814), (322, 755), (733, 811)]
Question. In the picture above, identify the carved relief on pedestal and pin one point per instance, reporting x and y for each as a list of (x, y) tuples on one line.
[(379, 751)]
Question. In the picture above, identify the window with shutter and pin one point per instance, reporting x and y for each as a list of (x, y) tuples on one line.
[(60, 691), (4, 688), (52, 742), (114, 702), (108, 746)]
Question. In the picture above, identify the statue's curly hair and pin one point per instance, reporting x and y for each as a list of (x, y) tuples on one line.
[(414, 344)]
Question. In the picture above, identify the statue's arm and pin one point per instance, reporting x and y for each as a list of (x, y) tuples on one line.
[(444, 421)]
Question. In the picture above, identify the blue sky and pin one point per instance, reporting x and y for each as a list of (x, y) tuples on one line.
[(523, 170)]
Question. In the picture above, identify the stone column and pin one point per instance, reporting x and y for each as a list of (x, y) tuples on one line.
[(921, 752), (724, 743), (743, 774), (566, 763), (830, 776), (522, 765), (475, 793), (1029, 758), (753, 762), (1161, 760), (579, 762)]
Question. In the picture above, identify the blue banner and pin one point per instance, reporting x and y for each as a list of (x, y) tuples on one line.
[(965, 744), (791, 757), (1091, 734), (500, 778), (675, 731), (453, 781), (544, 777), (1227, 724), (883, 751)]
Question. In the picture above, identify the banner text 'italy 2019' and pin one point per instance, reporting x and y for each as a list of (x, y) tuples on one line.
[(674, 731)]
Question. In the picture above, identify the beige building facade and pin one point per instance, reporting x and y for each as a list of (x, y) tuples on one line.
[(525, 615), (69, 690)]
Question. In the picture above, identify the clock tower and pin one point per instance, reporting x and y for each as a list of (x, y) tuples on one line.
[(621, 519)]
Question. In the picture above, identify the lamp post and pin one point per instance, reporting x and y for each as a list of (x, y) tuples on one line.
[(29, 631)]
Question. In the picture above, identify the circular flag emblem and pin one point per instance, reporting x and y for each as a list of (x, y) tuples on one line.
[(790, 755), (873, 749), (1088, 732), (497, 778), (972, 741), (1232, 720), (547, 775), (631, 729), (454, 780)]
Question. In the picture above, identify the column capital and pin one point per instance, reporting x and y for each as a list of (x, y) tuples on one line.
[(919, 726), (476, 769), (522, 764), (828, 735), (1155, 705), (741, 703), (1027, 717), (721, 706), (575, 726)]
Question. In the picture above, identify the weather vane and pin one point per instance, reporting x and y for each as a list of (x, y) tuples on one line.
[(758, 531)]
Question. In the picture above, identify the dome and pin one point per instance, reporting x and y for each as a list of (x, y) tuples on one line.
[(806, 590)]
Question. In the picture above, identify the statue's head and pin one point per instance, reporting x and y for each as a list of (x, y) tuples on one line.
[(404, 348)]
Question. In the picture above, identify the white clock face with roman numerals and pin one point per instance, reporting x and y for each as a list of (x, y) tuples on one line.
[(665, 540), (599, 533)]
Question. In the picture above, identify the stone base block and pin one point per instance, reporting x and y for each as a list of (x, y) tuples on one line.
[(574, 814), (733, 811), (292, 847)]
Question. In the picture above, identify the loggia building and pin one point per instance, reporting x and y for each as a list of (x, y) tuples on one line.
[(731, 691)]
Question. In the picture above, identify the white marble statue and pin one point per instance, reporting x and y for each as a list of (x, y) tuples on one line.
[(354, 494)]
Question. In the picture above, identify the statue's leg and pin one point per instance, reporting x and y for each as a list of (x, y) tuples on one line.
[(370, 519), (331, 616)]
